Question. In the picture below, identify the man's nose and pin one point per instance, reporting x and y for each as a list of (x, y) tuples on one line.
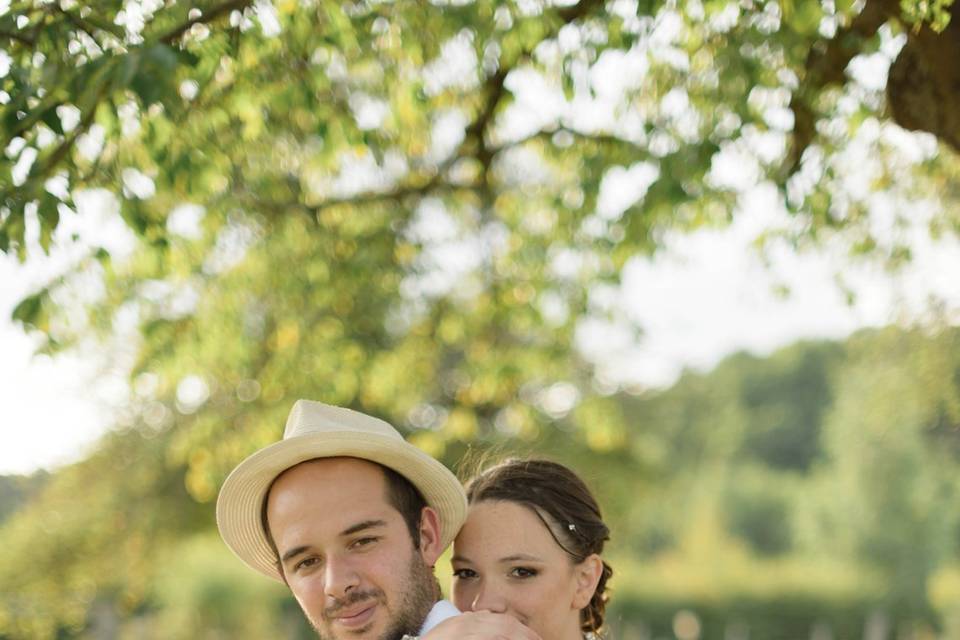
[(489, 598), (339, 577)]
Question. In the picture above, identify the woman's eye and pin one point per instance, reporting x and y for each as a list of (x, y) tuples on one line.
[(522, 572), (464, 574)]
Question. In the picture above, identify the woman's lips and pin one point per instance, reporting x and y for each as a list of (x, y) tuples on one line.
[(358, 618)]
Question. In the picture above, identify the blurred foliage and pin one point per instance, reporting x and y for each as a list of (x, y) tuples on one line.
[(401, 208), (201, 586), (866, 532), (264, 111), (16, 490)]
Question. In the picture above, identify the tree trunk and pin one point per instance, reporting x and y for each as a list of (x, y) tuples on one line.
[(923, 88)]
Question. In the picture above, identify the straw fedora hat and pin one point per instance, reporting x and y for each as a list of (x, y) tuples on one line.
[(317, 430)]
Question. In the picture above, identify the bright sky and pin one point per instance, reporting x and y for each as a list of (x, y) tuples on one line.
[(55, 407), (709, 295)]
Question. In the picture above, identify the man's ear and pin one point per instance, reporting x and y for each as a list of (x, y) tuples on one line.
[(588, 575), (430, 529)]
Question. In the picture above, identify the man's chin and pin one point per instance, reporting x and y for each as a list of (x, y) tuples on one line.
[(367, 626)]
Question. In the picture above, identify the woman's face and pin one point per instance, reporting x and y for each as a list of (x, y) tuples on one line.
[(505, 560)]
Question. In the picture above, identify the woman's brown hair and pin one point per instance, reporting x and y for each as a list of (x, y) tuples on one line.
[(565, 505)]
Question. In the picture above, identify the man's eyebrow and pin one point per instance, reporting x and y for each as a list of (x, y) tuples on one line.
[(294, 552), (360, 526)]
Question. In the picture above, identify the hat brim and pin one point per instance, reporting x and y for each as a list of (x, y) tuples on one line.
[(240, 503)]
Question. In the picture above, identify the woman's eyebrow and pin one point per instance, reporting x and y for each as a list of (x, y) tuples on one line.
[(521, 557)]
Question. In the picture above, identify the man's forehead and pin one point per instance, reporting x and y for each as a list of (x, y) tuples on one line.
[(337, 470), (304, 510), (324, 480)]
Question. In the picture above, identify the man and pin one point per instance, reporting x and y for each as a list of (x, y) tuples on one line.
[(352, 519)]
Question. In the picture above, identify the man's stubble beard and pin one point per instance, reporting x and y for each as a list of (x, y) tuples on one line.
[(418, 593)]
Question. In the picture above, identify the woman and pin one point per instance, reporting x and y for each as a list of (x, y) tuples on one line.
[(531, 548)]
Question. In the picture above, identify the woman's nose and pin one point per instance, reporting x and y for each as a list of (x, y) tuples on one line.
[(488, 598)]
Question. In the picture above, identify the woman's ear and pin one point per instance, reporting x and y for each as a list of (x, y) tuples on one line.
[(587, 574), (430, 536)]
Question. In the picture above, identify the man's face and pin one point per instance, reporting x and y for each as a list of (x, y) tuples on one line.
[(346, 552)]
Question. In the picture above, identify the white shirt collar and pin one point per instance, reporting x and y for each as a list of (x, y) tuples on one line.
[(441, 611)]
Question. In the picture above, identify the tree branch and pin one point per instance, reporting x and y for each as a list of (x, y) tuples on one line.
[(373, 197), (826, 65), (475, 138), (397, 194), (38, 172), (476, 132), (30, 42), (579, 10), (174, 34), (76, 22), (548, 133)]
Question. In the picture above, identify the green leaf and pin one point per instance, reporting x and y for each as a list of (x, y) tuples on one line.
[(27, 312), (135, 215), (102, 256), (104, 24), (49, 215), (568, 88), (52, 120), (805, 18), (165, 58), (844, 7)]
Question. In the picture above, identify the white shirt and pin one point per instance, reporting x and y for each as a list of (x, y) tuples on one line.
[(441, 611)]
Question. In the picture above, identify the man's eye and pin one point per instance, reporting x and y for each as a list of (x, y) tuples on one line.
[(523, 572), (464, 574), (363, 542), (306, 563)]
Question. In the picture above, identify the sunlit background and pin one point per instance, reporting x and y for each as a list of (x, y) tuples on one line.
[(705, 296), (661, 242)]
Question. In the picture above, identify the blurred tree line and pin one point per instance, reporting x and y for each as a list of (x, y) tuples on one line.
[(15, 490), (410, 210)]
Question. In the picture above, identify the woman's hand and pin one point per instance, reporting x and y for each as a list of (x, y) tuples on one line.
[(481, 625)]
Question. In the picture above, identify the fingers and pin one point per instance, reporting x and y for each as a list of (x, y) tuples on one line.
[(501, 626), (481, 625)]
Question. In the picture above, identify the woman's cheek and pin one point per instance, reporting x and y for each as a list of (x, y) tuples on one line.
[(460, 595)]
